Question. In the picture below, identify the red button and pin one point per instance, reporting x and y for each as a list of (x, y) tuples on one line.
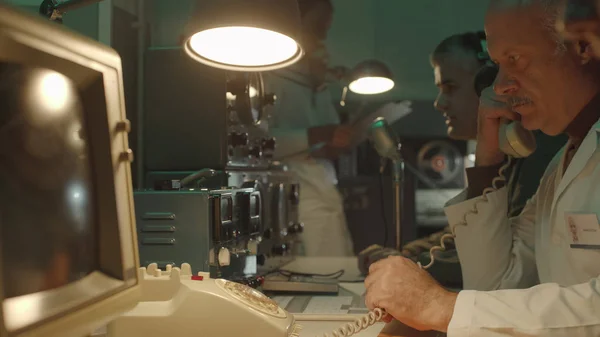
[(197, 278)]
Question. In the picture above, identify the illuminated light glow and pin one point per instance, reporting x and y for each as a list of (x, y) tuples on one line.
[(236, 48), (55, 92), (371, 85), (253, 92)]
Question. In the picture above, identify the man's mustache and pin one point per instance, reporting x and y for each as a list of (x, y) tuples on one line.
[(514, 101)]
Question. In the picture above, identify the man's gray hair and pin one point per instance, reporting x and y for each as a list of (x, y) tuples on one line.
[(554, 9)]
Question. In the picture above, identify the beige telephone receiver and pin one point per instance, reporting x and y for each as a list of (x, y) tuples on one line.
[(515, 140)]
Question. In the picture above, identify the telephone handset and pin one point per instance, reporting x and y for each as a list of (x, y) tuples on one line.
[(515, 140)]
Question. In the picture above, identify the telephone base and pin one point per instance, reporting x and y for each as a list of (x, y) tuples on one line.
[(175, 302)]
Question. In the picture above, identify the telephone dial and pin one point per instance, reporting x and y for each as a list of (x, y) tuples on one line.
[(176, 302)]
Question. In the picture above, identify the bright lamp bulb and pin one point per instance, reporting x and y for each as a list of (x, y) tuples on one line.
[(244, 47), (371, 85)]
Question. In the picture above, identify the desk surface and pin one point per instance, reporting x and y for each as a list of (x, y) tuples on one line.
[(327, 323)]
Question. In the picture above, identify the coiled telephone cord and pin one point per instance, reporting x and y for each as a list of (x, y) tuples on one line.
[(358, 325), (450, 236), (378, 314)]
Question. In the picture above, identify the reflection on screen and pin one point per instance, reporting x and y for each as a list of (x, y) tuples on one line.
[(48, 232)]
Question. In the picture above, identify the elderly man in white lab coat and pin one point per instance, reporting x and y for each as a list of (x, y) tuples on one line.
[(307, 129), (536, 274)]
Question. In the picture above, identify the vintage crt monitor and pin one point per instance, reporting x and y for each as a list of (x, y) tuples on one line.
[(68, 257)]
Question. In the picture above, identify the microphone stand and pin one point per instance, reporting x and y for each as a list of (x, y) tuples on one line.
[(397, 180), (388, 147), (398, 166)]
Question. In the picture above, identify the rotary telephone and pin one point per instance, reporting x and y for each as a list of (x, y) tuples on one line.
[(176, 302)]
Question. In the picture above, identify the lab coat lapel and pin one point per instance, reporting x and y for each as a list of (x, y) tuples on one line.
[(581, 158)]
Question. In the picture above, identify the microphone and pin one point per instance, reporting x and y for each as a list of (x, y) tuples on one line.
[(384, 139), (388, 146)]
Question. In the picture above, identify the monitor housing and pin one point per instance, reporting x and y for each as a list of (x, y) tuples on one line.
[(94, 70)]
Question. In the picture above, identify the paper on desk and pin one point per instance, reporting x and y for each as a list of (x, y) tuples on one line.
[(392, 112), (329, 305)]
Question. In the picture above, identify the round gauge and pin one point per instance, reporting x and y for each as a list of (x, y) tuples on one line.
[(440, 161), (252, 298)]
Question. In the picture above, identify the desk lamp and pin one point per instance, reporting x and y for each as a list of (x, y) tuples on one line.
[(242, 35), (369, 77)]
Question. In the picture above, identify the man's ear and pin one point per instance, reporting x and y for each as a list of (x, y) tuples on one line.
[(584, 51)]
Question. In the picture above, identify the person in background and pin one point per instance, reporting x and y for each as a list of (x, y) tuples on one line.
[(309, 136), (462, 70), (529, 275), (581, 21)]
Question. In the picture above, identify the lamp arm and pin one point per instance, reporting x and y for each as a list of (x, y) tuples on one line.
[(54, 10)]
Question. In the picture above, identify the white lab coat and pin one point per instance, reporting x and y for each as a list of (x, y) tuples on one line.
[(296, 109), (559, 286)]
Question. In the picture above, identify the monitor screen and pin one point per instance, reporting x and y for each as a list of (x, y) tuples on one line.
[(48, 232)]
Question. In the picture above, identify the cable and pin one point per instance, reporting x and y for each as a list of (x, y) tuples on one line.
[(483, 199), (334, 275), (359, 324)]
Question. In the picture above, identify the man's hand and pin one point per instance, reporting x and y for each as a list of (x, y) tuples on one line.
[(342, 137), (409, 294), (338, 139), (492, 111)]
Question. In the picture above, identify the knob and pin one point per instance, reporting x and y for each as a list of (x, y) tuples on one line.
[(296, 228), (124, 126), (280, 249), (127, 156)]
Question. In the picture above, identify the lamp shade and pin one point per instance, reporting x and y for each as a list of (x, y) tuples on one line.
[(371, 77), (245, 35)]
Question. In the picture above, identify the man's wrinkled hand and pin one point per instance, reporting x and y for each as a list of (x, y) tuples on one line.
[(409, 294)]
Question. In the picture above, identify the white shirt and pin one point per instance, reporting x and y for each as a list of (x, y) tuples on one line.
[(297, 108), (559, 286)]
